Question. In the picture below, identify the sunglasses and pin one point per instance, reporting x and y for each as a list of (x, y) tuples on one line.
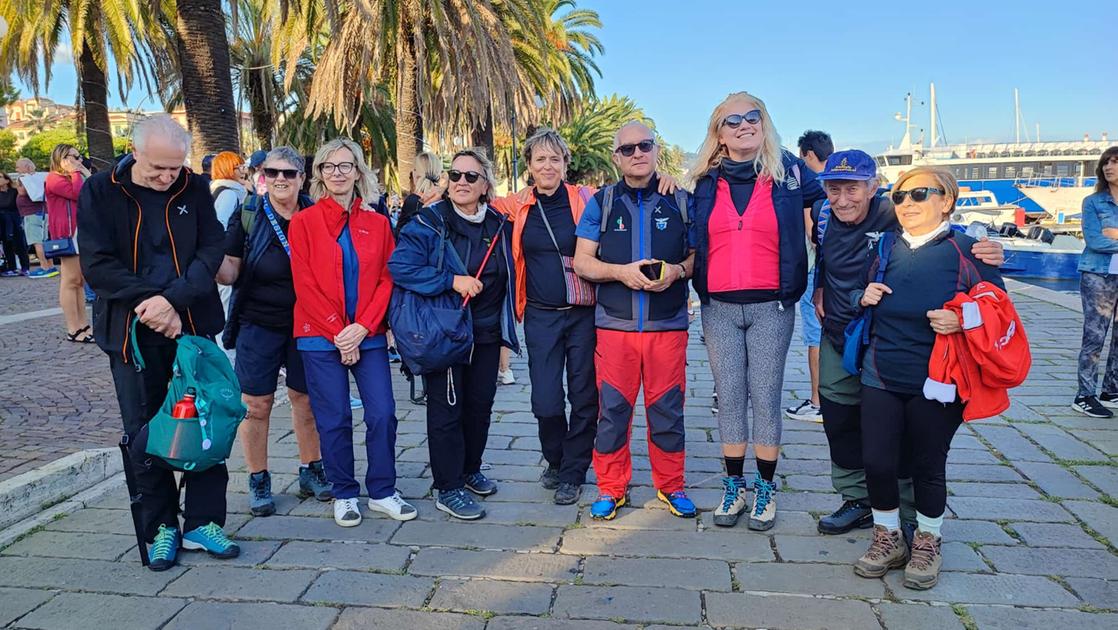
[(328, 168), (471, 176), (917, 194), (627, 150), (733, 121), (288, 173)]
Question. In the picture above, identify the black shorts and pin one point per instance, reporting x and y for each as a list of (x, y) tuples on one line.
[(261, 352)]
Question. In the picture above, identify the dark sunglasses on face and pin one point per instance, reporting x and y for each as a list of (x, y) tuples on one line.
[(471, 176), (288, 173), (627, 150), (917, 194), (733, 121), (328, 168)]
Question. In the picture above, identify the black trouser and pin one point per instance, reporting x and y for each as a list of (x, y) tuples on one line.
[(558, 339), (898, 427), (14, 241), (140, 394), (457, 433)]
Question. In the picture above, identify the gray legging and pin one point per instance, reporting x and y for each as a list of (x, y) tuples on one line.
[(748, 344), (1099, 293)]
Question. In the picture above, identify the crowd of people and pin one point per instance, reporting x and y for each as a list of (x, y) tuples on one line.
[(291, 262)]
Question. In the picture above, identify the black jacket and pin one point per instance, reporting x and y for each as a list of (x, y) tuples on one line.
[(109, 224)]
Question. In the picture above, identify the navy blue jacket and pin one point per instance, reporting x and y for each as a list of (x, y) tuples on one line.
[(789, 200)]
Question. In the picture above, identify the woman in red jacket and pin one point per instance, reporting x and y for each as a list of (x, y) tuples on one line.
[(339, 262), (63, 184)]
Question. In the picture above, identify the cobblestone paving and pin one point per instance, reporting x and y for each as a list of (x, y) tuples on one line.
[(1028, 540)]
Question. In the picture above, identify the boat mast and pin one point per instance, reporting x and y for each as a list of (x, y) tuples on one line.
[(906, 141), (935, 133), (1017, 114)]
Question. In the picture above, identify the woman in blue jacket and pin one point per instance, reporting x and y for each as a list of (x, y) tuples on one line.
[(460, 400)]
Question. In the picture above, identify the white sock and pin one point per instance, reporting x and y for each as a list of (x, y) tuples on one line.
[(928, 524), (889, 519)]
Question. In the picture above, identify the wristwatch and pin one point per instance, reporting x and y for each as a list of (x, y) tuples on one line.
[(682, 271)]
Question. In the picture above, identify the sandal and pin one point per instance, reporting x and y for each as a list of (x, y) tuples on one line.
[(73, 337)]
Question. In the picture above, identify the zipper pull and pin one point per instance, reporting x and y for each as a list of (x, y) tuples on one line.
[(739, 225)]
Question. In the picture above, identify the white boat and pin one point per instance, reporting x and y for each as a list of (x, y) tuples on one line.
[(981, 206)]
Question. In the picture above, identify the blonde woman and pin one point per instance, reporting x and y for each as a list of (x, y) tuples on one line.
[(64, 182), (339, 256), (750, 271), (427, 185)]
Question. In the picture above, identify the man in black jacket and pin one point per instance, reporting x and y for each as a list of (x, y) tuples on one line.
[(150, 247)]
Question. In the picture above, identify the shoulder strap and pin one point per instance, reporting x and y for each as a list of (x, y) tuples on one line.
[(607, 206), (681, 203), (822, 221), (884, 252)]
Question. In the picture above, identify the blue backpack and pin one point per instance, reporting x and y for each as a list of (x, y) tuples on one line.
[(857, 333)]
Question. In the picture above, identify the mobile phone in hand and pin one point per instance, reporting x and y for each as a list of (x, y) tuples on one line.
[(654, 270)]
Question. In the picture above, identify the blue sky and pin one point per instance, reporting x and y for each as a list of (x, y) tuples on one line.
[(845, 67)]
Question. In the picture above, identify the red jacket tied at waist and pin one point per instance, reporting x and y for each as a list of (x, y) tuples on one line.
[(981, 363)]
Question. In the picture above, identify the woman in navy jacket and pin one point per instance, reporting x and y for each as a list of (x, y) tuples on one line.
[(460, 400)]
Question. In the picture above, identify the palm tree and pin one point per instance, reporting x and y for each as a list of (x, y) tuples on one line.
[(202, 52)]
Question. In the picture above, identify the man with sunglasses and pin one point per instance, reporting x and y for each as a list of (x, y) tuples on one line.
[(845, 228), (636, 244)]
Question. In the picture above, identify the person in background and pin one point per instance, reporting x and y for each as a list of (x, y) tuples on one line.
[(427, 185), (815, 148), (1098, 289), (505, 375), (11, 230), (34, 215), (207, 168), (63, 186), (255, 176), (227, 190)]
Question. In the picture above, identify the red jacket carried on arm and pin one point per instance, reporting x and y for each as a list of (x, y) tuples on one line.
[(981, 363), (316, 267)]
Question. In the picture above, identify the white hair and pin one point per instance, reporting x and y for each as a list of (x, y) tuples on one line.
[(161, 125), (23, 161)]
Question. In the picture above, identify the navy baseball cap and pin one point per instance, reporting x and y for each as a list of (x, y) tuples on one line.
[(207, 162), (854, 164), (257, 158)]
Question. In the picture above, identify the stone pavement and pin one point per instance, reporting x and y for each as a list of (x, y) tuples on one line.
[(1028, 540)]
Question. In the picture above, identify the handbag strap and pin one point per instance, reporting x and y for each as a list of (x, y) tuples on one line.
[(488, 253), (547, 224)]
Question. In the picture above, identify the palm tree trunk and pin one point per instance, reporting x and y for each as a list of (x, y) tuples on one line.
[(98, 131), (263, 116), (482, 134), (207, 85), (409, 121)]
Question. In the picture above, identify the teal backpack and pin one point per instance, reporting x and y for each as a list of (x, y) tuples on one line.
[(195, 444)]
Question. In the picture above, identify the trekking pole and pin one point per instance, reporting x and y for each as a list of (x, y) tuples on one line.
[(134, 497)]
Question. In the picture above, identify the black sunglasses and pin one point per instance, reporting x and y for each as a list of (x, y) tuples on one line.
[(733, 121), (288, 173), (471, 176), (628, 149), (917, 194)]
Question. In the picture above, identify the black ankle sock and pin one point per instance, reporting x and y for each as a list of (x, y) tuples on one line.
[(767, 468), (735, 466)]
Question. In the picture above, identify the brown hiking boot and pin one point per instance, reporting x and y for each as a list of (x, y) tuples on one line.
[(887, 551), (922, 571)]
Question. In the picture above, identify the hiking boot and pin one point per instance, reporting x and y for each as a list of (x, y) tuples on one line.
[(313, 482), (733, 502), (567, 493), (480, 485), (164, 550), (347, 512), (678, 503), (922, 571), (260, 500), (605, 508), (806, 411), (394, 506), (763, 515), (550, 478), (851, 515), (459, 504), (211, 539), (887, 551), (1090, 406)]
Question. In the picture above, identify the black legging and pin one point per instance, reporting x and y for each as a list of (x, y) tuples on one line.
[(909, 426)]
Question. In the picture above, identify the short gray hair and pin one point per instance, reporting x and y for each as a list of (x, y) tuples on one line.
[(163, 125), (287, 154), (25, 161), (549, 138)]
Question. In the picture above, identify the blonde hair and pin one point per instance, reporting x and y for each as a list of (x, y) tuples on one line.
[(56, 156), (770, 158), (549, 138), (366, 187), (427, 172), (942, 176), (478, 154)]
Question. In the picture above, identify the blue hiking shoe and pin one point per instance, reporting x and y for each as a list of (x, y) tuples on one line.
[(480, 485), (313, 482), (211, 539), (459, 504), (164, 551), (260, 500), (763, 515), (678, 503), (605, 508)]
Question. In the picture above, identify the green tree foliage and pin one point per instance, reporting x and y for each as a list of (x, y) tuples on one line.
[(8, 153)]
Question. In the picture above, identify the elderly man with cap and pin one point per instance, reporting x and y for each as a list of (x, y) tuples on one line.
[(845, 227)]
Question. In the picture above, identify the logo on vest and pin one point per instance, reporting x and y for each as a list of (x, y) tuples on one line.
[(792, 182), (661, 223), (182, 210), (620, 226)]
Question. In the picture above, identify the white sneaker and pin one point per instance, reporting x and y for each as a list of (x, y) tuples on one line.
[(805, 411), (394, 507), (347, 512), (506, 377)]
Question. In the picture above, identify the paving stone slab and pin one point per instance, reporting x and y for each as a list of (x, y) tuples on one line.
[(478, 535), (629, 604), (252, 616), (492, 596), (787, 522), (1045, 561), (311, 528), (1011, 443), (98, 521), (73, 545), (1097, 593), (1056, 481), (972, 456), (81, 611), (710, 575), (1014, 509), (1104, 478), (17, 602), (69, 574), (350, 555), (239, 583), (977, 588), (528, 492), (748, 547), (981, 532), (501, 565), (1061, 444), (808, 501), (992, 490), (1055, 535), (783, 612), (980, 472), (362, 618), (918, 617), (813, 483), (536, 623), (253, 552), (643, 518), (705, 499), (820, 579), (368, 589), (542, 513), (1098, 516), (1000, 618)]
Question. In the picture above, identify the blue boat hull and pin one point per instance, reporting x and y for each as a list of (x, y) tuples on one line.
[(1034, 264), (1006, 192)]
